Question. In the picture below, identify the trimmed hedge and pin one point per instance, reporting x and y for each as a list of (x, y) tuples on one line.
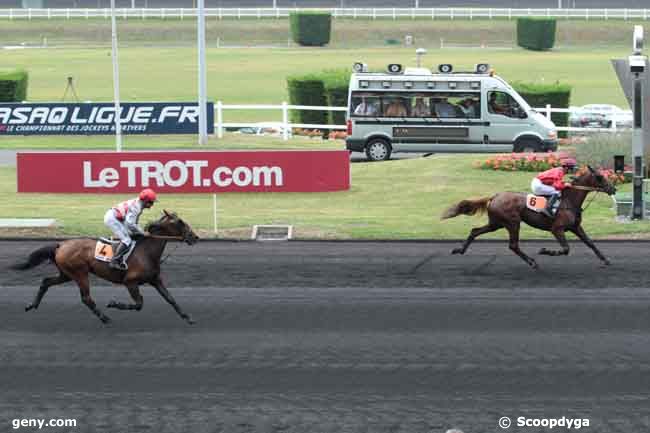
[(336, 83), (536, 33), (307, 90), (538, 95), (311, 28), (13, 85)]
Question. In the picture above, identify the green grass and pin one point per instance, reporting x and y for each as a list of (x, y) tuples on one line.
[(395, 200), (346, 33), (231, 141)]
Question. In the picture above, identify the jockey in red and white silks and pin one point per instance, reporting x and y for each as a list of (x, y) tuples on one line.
[(122, 219), (551, 183)]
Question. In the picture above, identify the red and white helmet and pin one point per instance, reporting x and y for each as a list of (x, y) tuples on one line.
[(569, 163), (147, 195)]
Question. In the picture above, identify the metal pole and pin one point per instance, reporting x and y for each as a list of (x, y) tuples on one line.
[(203, 124), (116, 80), (214, 208), (638, 63)]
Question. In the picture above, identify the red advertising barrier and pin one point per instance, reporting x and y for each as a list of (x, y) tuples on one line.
[(184, 172)]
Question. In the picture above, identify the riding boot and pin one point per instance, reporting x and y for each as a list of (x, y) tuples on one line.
[(117, 262), (552, 205)]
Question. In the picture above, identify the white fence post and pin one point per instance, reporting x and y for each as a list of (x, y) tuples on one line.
[(285, 121), (219, 119), (548, 111)]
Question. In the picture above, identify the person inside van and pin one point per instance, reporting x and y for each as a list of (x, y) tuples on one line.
[(443, 108), (495, 107), (365, 108), (421, 109), (396, 109), (470, 108)]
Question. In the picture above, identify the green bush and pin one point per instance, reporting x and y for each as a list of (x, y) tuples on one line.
[(336, 83), (536, 33), (307, 90), (13, 85), (538, 95), (311, 28), (599, 149)]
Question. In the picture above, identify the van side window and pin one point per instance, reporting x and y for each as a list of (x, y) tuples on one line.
[(366, 105), (502, 103)]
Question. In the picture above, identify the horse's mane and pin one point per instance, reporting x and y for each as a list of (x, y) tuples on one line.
[(153, 226)]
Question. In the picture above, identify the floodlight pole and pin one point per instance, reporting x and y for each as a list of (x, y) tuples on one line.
[(116, 80), (637, 69), (203, 112)]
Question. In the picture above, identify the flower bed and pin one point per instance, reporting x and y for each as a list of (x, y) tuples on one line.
[(523, 161)]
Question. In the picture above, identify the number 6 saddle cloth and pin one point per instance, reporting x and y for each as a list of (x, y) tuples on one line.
[(536, 203), (104, 249)]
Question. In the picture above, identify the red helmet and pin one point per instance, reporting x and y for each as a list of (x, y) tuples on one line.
[(568, 162), (148, 195)]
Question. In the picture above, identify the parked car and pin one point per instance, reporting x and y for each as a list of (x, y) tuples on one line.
[(605, 115), (262, 129), (581, 118)]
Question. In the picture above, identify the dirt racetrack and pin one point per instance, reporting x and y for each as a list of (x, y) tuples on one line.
[(337, 337)]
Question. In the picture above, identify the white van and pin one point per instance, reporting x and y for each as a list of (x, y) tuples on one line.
[(415, 110)]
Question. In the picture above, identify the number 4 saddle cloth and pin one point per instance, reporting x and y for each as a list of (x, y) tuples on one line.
[(536, 203), (104, 249)]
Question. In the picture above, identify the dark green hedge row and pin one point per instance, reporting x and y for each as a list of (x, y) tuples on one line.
[(311, 28), (538, 95), (324, 88), (536, 33), (13, 85)]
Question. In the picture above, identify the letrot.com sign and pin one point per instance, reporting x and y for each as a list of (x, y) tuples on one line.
[(185, 172), (99, 118)]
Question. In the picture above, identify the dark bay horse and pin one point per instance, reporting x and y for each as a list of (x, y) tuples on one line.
[(75, 260), (508, 209)]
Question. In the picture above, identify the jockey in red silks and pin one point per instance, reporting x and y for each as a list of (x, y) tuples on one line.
[(551, 183), (122, 219)]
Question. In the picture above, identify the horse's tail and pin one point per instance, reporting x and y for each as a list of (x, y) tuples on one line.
[(467, 207), (37, 257)]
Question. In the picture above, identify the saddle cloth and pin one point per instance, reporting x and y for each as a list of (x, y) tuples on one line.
[(536, 203), (104, 249)]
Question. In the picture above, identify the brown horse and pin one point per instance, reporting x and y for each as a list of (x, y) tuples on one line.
[(75, 259), (508, 209)]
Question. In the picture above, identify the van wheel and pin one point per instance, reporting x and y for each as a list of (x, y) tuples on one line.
[(527, 145), (378, 149)]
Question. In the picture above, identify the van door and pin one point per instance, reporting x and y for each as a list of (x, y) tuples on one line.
[(442, 122), (503, 116)]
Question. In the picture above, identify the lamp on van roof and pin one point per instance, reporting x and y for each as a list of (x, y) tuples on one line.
[(394, 68), (364, 83), (475, 84), (482, 68), (360, 67), (408, 84), (452, 85), (385, 84), (445, 68), (431, 84)]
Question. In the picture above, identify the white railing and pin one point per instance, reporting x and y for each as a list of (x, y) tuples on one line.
[(354, 13), (286, 126)]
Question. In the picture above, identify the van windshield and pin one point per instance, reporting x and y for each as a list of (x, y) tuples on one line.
[(464, 105)]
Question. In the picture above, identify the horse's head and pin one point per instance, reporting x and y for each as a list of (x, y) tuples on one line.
[(594, 179), (171, 224)]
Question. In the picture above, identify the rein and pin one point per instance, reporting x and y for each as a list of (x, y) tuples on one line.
[(169, 238), (587, 188)]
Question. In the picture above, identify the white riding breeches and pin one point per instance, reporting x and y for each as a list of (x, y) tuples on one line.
[(541, 189), (118, 229)]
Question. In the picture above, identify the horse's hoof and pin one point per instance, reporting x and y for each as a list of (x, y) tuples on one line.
[(105, 320), (543, 251), (189, 320), (606, 263), (457, 251), (111, 304), (29, 307), (533, 264)]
